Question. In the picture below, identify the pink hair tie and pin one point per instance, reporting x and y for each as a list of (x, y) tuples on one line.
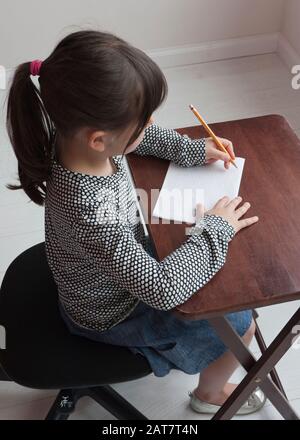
[(35, 67)]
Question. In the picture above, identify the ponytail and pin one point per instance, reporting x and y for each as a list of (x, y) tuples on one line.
[(31, 133), (91, 79)]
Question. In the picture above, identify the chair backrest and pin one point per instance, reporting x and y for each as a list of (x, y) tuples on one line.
[(40, 351)]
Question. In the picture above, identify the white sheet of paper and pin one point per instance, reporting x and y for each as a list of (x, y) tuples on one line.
[(184, 187)]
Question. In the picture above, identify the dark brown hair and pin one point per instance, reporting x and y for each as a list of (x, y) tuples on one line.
[(91, 79)]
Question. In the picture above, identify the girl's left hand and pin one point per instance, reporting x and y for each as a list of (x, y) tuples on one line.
[(212, 152)]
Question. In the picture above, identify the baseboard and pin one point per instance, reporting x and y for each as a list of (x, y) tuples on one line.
[(287, 53), (215, 50), (220, 50)]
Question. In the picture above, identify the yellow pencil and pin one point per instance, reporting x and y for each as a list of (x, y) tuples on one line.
[(211, 133)]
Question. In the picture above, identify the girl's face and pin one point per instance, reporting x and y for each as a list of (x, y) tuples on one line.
[(108, 143), (121, 142)]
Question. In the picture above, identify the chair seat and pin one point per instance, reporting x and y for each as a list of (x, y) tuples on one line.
[(40, 351)]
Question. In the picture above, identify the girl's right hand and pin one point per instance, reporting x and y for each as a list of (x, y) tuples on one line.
[(227, 209)]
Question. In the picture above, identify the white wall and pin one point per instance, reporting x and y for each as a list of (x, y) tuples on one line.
[(29, 29), (291, 23)]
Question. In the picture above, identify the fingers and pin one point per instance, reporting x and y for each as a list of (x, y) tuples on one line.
[(243, 209), (221, 156), (222, 202), (229, 148), (248, 221), (235, 202)]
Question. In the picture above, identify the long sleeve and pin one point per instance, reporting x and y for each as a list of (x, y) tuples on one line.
[(168, 144), (162, 285)]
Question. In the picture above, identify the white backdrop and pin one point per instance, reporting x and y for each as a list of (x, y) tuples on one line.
[(30, 29)]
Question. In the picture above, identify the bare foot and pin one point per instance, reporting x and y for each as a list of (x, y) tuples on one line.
[(216, 398)]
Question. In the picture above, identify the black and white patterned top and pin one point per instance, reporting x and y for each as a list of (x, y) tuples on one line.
[(95, 240)]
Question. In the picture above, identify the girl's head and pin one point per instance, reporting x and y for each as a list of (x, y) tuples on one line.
[(92, 81)]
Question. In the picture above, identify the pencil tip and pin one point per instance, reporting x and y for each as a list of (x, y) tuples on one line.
[(191, 106)]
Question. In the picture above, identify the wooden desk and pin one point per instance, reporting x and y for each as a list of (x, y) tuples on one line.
[(262, 266)]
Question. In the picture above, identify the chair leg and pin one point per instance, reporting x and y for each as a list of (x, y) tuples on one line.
[(114, 403), (64, 404), (106, 396), (3, 376), (262, 346)]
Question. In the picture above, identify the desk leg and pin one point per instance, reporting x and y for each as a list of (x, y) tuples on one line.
[(262, 346), (258, 370)]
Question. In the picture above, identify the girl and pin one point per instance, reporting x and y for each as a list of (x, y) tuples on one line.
[(95, 101)]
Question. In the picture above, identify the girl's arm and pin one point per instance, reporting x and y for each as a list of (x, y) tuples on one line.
[(168, 144), (162, 285)]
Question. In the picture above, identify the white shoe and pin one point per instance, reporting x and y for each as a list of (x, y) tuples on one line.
[(254, 403)]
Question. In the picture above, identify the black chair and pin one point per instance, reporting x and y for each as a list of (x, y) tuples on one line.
[(41, 353)]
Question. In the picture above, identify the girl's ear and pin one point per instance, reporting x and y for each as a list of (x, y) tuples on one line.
[(97, 140)]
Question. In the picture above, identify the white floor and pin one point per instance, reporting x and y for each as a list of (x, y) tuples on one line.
[(222, 90)]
